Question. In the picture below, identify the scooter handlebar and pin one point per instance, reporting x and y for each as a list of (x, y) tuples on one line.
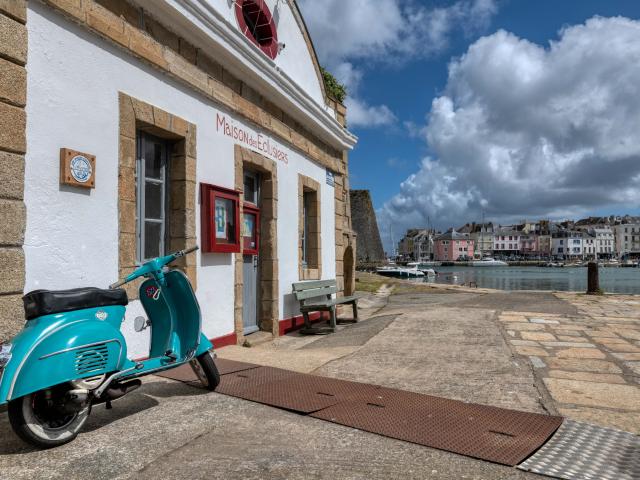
[(188, 250), (148, 267)]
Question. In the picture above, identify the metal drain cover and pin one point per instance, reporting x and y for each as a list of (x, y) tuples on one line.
[(184, 373), (488, 433), (583, 451)]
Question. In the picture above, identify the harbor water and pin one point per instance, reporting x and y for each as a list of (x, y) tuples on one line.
[(612, 279)]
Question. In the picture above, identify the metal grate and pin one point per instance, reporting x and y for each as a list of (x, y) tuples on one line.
[(489, 433), (582, 451), (305, 393), (92, 359), (495, 434), (184, 373), (245, 383)]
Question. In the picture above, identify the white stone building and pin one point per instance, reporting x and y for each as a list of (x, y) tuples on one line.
[(627, 236), (423, 250), (506, 242), (200, 122), (605, 242), (567, 244)]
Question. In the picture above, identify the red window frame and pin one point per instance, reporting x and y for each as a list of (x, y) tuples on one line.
[(208, 195), (253, 211), (265, 23)]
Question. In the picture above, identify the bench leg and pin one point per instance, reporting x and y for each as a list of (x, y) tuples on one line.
[(307, 321), (333, 318), (355, 310)]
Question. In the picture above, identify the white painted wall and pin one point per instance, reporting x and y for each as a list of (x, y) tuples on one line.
[(71, 237), (294, 60)]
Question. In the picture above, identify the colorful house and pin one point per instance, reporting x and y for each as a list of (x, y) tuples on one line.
[(450, 246)]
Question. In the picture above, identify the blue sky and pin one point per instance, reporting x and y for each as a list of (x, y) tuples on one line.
[(395, 55)]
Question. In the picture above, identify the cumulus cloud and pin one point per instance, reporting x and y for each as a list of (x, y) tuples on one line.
[(388, 30), (363, 115), (527, 131), (348, 33)]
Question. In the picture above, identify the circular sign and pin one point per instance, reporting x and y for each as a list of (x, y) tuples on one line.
[(80, 168)]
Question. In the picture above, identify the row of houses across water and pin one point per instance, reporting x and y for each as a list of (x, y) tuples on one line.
[(592, 238)]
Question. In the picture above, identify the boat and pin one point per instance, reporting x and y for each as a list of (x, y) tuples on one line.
[(422, 268), (554, 265), (399, 272), (489, 262)]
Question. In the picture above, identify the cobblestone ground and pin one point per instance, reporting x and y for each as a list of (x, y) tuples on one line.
[(590, 361)]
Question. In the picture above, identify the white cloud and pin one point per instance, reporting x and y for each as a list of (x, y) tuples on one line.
[(523, 130), (388, 30), (384, 31), (365, 116)]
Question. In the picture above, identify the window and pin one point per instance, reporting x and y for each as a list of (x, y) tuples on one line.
[(251, 187), (151, 196), (250, 230), (308, 198), (309, 228), (256, 22)]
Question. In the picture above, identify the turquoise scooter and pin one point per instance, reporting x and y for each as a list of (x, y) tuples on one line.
[(71, 355)]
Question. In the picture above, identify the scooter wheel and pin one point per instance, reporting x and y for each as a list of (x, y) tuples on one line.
[(206, 370), (38, 425)]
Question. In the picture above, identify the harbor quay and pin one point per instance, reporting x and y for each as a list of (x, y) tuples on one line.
[(555, 353)]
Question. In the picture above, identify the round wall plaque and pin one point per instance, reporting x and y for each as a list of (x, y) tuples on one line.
[(80, 168)]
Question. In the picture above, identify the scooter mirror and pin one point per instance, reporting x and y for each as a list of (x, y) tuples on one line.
[(139, 324)]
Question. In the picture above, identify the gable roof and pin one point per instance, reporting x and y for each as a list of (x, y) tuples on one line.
[(312, 50)]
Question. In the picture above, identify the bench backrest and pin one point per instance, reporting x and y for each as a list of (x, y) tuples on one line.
[(314, 289)]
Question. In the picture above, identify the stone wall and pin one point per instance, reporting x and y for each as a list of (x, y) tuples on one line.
[(363, 217), (13, 98)]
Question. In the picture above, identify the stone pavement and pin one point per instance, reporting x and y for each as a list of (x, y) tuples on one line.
[(514, 350), (588, 361)]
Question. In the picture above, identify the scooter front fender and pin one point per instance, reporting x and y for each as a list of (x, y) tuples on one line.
[(204, 345), (57, 348)]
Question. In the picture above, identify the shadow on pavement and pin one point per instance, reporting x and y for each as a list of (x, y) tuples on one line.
[(129, 405)]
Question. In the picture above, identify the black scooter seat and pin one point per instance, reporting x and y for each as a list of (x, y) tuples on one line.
[(45, 302)]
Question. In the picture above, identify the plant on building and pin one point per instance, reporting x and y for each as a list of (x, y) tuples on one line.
[(334, 89)]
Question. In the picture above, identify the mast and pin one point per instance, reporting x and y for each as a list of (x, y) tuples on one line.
[(482, 237)]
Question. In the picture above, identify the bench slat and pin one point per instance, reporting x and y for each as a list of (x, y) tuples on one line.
[(300, 286), (328, 303), (316, 292)]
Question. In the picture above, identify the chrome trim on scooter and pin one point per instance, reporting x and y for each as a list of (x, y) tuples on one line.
[(83, 346), (33, 347)]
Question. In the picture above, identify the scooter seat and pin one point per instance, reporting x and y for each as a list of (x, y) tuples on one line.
[(45, 302)]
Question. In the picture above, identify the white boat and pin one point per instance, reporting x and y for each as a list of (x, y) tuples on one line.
[(400, 272), (489, 262), (424, 268), (554, 265)]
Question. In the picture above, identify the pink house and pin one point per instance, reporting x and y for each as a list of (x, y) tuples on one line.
[(452, 245)]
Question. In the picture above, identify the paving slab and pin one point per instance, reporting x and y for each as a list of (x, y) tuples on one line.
[(522, 302), (594, 394)]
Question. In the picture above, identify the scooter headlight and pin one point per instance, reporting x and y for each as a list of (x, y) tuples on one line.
[(5, 354)]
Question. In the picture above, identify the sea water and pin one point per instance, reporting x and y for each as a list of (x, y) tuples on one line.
[(612, 279)]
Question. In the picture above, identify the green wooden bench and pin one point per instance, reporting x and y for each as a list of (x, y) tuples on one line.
[(317, 296)]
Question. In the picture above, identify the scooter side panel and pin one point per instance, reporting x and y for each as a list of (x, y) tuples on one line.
[(57, 348), (174, 313)]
